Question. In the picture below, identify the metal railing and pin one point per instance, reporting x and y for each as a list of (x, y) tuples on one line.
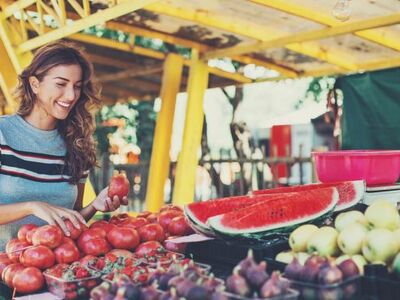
[(214, 178)]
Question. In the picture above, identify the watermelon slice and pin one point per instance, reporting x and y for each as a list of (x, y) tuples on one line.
[(350, 192), (198, 213), (291, 209)]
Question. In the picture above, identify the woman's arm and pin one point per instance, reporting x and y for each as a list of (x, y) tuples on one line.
[(50, 213), (13, 212)]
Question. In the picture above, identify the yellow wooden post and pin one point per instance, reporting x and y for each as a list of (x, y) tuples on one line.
[(11, 62), (160, 159), (188, 158), (8, 78)]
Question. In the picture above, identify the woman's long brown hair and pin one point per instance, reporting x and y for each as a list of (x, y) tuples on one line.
[(77, 129)]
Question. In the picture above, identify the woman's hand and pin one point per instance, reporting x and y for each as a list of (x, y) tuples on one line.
[(105, 204), (55, 215)]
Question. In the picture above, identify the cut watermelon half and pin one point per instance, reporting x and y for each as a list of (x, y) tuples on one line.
[(287, 211), (198, 213), (350, 192)]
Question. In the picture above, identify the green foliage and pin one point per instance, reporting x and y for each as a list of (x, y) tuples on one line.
[(139, 121), (317, 90)]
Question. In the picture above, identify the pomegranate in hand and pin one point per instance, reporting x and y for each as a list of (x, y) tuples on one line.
[(119, 186)]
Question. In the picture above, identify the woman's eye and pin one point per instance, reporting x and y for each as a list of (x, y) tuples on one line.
[(60, 84)]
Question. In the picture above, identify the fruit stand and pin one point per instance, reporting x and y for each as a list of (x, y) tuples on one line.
[(318, 241)]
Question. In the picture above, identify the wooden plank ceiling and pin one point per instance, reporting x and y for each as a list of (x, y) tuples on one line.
[(290, 37)]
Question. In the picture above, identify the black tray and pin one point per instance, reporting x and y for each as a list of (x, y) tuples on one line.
[(223, 256)]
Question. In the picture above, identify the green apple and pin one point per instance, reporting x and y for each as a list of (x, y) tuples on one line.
[(324, 241), (360, 262), (285, 257), (302, 257), (350, 239), (299, 237), (383, 214), (397, 235), (380, 245), (346, 218)]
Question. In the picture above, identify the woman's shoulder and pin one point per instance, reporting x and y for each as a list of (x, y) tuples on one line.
[(6, 121)]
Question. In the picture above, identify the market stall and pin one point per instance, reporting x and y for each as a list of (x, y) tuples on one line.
[(293, 230)]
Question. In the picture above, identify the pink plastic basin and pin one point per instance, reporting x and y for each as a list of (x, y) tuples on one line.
[(376, 167)]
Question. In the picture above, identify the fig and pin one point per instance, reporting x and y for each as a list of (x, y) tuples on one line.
[(330, 274), (330, 294), (132, 292), (348, 268), (271, 287), (184, 286), (315, 260), (246, 263), (236, 284), (218, 296), (311, 268), (197, 293), (256, 275), (211, 284), (294, 269), (309, 273), (170, 295), (174, 281), (163, 281), (149, 293), (191, 272)]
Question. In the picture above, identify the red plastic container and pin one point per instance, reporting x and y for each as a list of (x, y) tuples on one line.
[(376, 167)]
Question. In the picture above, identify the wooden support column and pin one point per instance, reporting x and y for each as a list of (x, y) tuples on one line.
[(8, 78), (188, 158), (160, 159), (11, 63)]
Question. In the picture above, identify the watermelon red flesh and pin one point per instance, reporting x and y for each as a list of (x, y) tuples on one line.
[(287, 210), (350, 192), (199, 212)]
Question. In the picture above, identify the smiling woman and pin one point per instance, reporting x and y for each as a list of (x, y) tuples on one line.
[(47, 148)]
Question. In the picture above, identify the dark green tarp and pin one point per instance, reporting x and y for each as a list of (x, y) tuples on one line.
[(371, 110)]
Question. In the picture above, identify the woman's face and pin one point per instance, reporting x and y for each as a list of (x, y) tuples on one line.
[(59, 90)]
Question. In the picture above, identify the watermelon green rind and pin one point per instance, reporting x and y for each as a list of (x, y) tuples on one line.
[(216, 224), (197, 226)]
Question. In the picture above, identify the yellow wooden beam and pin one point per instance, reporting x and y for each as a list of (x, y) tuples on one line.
[(285, 71), (130, 73), (160, 159), (168, 38), (17, 6), (300, 37), (385, 38), (8, 77), (151, 53), (10, 39), (104, 42), (188, 158), (110, 61), (235, 26), (380, 64), (78, 25)]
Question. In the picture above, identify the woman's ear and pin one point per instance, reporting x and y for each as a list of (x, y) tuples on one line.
[(34, 83)]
